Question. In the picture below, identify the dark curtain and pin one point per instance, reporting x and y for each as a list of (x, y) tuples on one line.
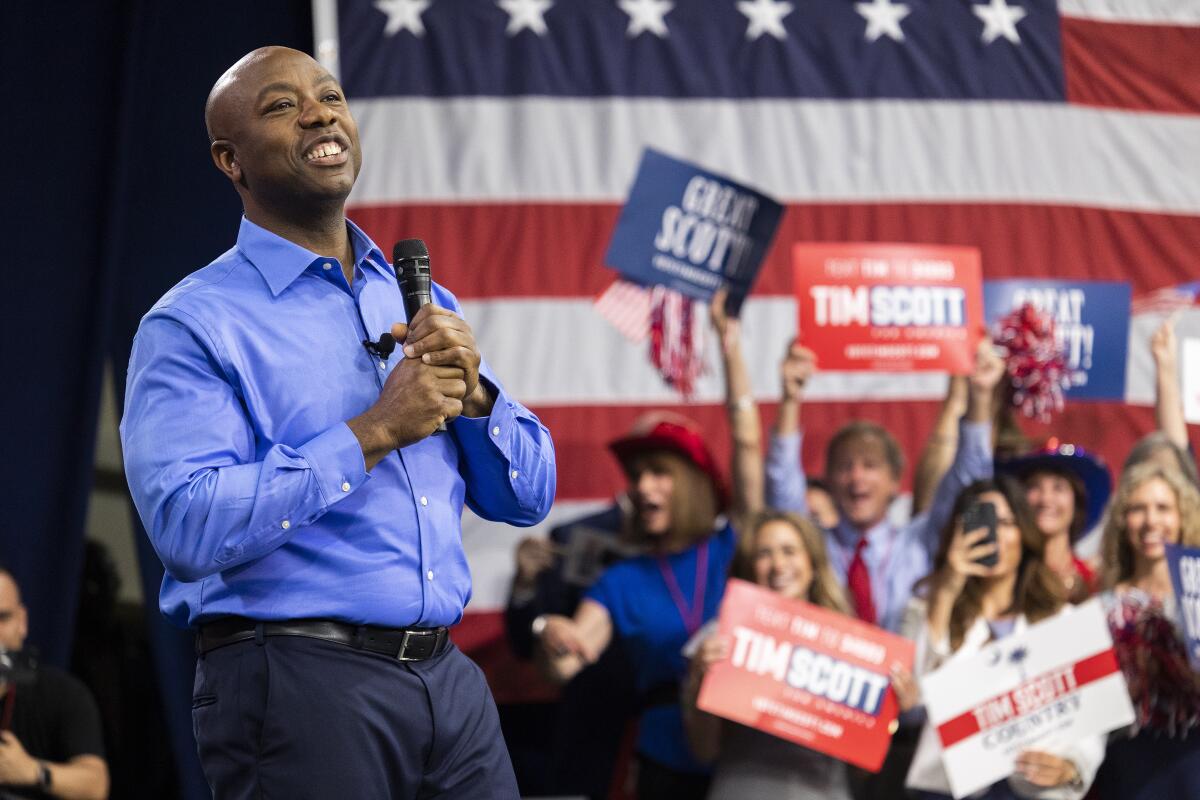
[(111, 198)]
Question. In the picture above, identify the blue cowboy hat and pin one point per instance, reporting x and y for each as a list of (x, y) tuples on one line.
[(1068, 459)]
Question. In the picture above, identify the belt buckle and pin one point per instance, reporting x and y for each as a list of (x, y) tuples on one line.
[(418, 639)]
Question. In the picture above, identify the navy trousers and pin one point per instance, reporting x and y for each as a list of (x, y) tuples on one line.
[(297, 718)]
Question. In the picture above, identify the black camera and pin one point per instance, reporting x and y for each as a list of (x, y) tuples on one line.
[(17, 667)]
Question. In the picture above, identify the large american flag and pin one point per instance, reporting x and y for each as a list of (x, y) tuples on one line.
[(1063, 140)]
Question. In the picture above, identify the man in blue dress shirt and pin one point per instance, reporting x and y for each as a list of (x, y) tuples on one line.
[(296, 486)]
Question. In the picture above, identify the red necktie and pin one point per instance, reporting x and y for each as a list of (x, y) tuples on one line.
[(859, 580)]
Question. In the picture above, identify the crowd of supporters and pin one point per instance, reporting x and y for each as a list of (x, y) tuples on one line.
[(630, 628)]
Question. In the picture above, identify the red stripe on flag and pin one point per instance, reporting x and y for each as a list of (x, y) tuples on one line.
[(587, 471), (1131, 66), (1089, 670), (557, 250)]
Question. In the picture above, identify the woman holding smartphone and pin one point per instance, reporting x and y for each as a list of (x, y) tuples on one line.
[(990, 582)]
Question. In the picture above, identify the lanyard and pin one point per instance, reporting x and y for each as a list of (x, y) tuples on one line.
[(692, 617)]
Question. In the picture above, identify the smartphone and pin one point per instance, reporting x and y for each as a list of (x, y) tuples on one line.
[(982, 515)]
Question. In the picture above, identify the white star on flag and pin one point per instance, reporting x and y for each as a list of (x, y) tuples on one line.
[(646, 15), (1000, 19), (526, 14), (403, 15), (765, 16), (883, 18)]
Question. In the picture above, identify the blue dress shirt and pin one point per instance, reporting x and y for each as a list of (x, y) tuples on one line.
[(252, 487), (896, 556)]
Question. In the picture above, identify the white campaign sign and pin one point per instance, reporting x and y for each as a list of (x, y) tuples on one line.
[(1046, 688), (1189, 357)]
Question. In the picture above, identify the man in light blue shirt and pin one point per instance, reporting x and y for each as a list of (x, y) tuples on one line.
[(296, 486), (864, 468)]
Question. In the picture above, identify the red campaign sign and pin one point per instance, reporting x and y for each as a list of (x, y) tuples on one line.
[(890, 307), (806, 674)]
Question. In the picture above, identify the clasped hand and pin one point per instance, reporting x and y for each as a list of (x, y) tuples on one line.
[(435, 382)]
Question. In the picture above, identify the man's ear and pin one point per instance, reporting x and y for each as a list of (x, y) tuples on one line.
[(225, 157)]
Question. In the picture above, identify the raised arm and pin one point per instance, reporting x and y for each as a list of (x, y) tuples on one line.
[(940, 447), (973, 458), (1168, 400), (786, 482), (746, 462)]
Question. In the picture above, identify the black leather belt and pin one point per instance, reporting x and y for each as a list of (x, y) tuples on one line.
[(402, 644)]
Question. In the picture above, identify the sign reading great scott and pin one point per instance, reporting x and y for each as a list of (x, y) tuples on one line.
[(894, 307), (692, 230), (1091, 324), (1043, 689), (806, 674), (1184, 563)]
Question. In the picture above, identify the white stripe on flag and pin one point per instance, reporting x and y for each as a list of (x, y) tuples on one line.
[(595, 365), (1151, 12), (587, 150)]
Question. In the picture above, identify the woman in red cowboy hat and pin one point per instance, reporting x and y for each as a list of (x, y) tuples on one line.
[(654, 603), (1066, 487)]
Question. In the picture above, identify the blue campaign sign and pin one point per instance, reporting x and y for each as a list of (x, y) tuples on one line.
[(1185, 577), (688, 229), (1091, 319)]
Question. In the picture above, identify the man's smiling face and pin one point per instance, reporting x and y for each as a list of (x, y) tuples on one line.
[(283, 132)]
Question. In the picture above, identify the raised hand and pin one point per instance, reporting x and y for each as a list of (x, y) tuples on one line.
[(1163, 344), (799, 364), (966, 548)]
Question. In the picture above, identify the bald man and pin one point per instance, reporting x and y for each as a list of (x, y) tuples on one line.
[(54, 747), (297, 488)]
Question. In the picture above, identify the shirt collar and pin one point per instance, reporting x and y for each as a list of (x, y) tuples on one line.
[(281, 261), (849, 535)]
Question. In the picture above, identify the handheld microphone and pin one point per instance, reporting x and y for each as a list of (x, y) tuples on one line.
[(410, 258)]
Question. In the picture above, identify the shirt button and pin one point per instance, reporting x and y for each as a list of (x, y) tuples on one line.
[(429, 575), (327, 265), (514, 474), (285, 524), (424, 500), (383, 365), (496, 431), (345, 486)]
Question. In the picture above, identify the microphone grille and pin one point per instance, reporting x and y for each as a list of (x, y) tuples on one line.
[(409, 248)]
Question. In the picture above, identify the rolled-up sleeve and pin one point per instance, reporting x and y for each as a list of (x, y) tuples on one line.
[(206, 500), (786, 482), (507, 460)]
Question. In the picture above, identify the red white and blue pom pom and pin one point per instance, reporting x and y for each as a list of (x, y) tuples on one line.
[(1035, 360)]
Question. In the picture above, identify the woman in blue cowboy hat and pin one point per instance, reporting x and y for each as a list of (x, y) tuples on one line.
[(1067, 488)]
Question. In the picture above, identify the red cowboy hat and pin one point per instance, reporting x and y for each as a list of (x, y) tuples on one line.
[(662, 430)]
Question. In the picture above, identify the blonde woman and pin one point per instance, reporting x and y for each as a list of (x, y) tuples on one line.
[(785, 553), (1155, 505)]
